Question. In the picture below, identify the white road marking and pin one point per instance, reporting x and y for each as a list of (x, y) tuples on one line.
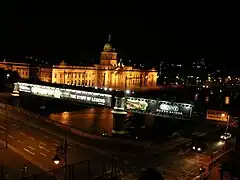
[(43, 154), (2, 127), (41, 147), (31, 148), (10, 136), (46, 150), (56, 141), (42, 143), (39, 164), (2, 132), (32, 138), (16, 126), (55, 144), (29, 151), (22, 133), (70, 147)]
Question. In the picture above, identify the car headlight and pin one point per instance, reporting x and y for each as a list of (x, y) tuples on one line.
[(194, 147), (225, 137), (199, 149)]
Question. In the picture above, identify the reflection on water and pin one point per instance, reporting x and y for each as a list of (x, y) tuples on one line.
[(99, 120), (92, 120)]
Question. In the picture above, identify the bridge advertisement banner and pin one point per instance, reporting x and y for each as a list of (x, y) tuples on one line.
[(93, 98), (159, 108)]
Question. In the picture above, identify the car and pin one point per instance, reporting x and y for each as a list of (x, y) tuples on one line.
[(225, 136), (198, 147)]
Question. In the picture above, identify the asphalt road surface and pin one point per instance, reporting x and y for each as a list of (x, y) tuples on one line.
[(174, 161), (12, 165)]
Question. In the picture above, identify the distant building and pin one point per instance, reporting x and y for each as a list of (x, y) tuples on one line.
[(109, 73)]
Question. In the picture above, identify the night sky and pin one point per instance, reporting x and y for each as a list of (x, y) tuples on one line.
[(141, 32)]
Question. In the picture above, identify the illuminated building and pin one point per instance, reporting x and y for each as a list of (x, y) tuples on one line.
[(109, 73)]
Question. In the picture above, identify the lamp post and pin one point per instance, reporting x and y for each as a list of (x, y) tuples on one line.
[(6, 127), (126, 82), (61, 152), (201, 173)]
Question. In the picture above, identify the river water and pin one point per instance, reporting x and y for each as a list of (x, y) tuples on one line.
[(99, 120)]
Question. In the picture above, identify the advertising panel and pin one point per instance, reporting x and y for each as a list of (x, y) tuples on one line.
[(60, 93), (24, 88), (159, 108), (92, 98), (217, 115)]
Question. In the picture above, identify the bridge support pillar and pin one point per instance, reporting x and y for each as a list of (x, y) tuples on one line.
[(119, 116)]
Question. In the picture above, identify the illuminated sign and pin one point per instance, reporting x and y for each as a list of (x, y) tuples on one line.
[(159, 108), (136, 105), (81, 96), (217, 115)]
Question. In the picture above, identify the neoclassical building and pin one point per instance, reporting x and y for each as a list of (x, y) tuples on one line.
[(110, 73)]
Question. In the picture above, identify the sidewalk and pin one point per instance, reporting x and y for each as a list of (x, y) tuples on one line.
[(12, 164)]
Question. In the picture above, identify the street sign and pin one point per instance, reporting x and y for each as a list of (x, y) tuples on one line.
[(217, 115)]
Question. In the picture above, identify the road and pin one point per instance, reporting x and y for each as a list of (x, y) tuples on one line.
[(172, 159), (14, 170), (40, 146)]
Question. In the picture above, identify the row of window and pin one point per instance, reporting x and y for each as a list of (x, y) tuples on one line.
[(73, 75)]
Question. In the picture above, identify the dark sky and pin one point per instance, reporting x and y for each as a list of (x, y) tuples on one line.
[(149, 32)]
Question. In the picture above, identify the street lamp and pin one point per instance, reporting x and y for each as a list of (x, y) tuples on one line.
[(56, 159), (61, 152), (6, 127), (201, 170)]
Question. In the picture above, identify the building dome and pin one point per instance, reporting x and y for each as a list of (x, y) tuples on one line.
[(107, 47)]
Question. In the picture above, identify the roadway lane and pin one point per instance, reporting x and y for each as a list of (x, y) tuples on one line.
[(41, 146), (14, 170)]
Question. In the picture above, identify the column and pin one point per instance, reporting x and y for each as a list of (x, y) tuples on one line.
[(119, 116)]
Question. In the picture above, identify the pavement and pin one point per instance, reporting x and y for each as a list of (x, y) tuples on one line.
[(12, 164), (38, 140)]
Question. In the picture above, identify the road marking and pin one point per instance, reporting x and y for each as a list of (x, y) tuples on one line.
[(42, 143), (43, 154), (55, 144), (16, 126), (56, 141), (2, 132), (41, 147), (10, 136), (22, 133), (2, 127), (70, 147), (32, 138), (29, 151), (40, 165), (31, 148)]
